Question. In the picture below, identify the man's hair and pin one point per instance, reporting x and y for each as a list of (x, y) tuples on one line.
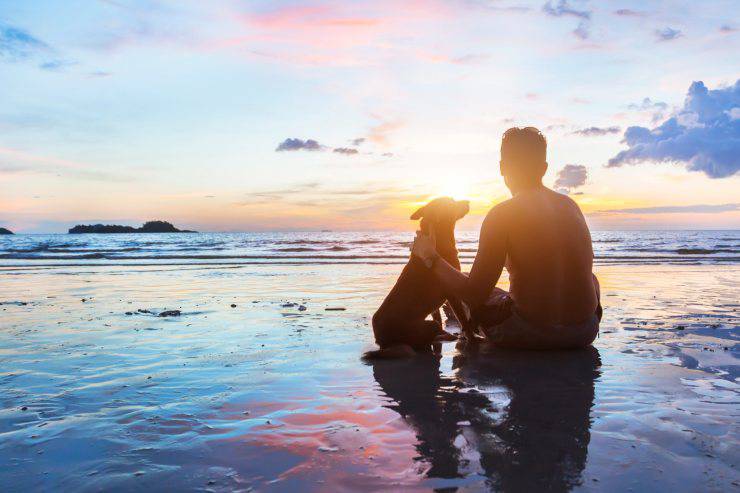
[(524, 146)]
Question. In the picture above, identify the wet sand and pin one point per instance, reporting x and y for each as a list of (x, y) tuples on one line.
[(269, 396)]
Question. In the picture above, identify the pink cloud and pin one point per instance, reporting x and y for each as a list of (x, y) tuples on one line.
[(339, 33), (380, 133)]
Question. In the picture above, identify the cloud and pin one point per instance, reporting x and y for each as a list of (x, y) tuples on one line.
[(470, 58), (56, 65), (629, 13), (13, 161), (702, 135), (727, 29), (571, 177), (678, 209), (355, 201), (512, 8), (667, 34), (146, 23), (18, 45), (380, 133), (555, 127), (596, 131), (564, 9), (377, 135), (98, 74), (334, 33), (345, 150), (648, 104), (299, 145), (272, 195), (582, 31), (656, 109)]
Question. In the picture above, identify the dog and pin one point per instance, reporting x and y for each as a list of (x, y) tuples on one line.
[(400, 325)]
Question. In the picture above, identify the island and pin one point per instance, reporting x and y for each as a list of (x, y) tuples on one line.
[(4, 231), (148, 227)]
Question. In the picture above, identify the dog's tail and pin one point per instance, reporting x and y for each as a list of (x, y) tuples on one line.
[(392, 352)]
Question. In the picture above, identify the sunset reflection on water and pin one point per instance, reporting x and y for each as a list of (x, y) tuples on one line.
[(266, 396)]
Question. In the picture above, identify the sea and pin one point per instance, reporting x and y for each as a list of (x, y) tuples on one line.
[(327, 247)]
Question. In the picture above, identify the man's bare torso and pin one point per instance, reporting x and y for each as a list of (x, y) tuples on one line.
[(548, 255)]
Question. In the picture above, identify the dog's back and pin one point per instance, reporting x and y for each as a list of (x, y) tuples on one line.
[(415, 294), (400, 319)]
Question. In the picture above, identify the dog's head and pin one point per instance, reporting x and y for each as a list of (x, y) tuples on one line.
[(440, 212)]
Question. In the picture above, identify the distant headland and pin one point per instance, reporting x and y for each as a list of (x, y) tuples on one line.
[(4, 231), (148, 227)]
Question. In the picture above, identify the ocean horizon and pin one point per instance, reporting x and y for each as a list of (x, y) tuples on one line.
[(336, 247)]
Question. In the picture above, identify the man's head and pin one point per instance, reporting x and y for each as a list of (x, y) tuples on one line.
[(523, 157)]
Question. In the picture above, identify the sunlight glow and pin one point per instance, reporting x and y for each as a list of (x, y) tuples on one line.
[(456, 186)]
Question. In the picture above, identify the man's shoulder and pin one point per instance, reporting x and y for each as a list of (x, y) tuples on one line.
[(500, 211), (566, 199), (507, 207), (500, 208)]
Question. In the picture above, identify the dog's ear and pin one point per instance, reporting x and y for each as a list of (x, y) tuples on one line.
[(463, 207), (419, 213)]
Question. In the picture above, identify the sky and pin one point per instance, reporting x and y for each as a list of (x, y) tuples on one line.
[(346, 115)]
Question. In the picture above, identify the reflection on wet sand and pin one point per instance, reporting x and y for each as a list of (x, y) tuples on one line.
[(519, 419)]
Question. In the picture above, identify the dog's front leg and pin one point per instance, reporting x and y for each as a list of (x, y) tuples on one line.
[(461, 312)]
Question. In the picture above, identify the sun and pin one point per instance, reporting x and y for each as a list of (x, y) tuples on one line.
[(457, 187)]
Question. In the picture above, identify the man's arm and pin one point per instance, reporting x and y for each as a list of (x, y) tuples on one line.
[(487, 267)]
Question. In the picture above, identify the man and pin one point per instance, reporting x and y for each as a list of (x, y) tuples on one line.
[(543, 240)]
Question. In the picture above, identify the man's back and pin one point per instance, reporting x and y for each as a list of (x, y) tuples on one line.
[(549, 257)]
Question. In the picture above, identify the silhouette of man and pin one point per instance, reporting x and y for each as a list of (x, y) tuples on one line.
[(542, 239)]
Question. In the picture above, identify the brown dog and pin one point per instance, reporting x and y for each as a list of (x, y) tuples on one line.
[(400, 324)]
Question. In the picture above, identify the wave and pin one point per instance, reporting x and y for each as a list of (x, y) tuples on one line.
[(335, 248), (361, 247), (92, 256), (364, 242), (198, 257), (343, 261), (45, 247), (704, 251), (707, 254), (301, 242), (86, 250)]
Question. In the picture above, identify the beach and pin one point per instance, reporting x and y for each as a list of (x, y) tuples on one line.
[(208, 211), (258, 385)]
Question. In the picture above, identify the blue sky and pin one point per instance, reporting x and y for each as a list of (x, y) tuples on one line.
[(124, 111)]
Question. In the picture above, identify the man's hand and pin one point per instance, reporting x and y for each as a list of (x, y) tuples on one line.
[(424, 246)]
